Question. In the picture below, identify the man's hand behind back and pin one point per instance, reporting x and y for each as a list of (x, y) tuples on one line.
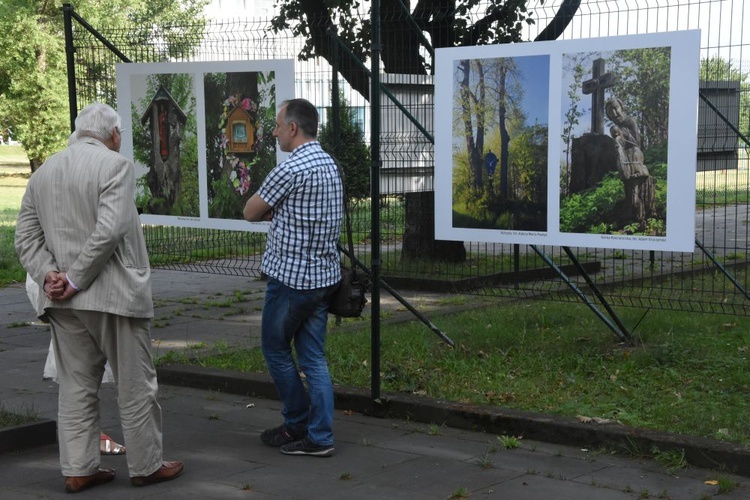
[(57, 288)]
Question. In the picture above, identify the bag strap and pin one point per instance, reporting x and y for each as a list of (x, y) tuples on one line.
[(347, 218)]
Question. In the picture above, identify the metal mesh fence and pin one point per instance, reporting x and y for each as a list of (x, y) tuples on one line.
[(711, 279)]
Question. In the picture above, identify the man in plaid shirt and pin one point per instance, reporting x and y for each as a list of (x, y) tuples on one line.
[(303, 199)]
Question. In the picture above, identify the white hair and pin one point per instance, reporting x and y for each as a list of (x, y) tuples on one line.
[(97, 120)]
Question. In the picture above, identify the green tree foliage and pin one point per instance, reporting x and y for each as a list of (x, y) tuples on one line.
[(643, 85), (470, 102), (580, 212), (488, 102), (33, 88), (659, 172), (463, 192), (487, 206), (33, 74), (346, 142), (446, 23), (489, 116), (583, 212), (528, 152)]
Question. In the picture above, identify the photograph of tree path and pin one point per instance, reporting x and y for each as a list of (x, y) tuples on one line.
[(500, 136)]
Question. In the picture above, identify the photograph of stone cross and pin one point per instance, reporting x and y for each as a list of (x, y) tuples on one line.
[(603, 158), (595, 87)]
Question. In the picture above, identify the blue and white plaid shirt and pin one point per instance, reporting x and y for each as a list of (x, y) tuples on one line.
[(306, 194)]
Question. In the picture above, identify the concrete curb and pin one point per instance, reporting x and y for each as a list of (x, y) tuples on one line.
[(699, 452), (30, 435)]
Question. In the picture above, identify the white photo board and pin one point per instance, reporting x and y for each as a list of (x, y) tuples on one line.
[(586, 143), (200, 135)]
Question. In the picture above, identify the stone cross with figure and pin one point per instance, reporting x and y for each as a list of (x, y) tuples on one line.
[(599, 81)]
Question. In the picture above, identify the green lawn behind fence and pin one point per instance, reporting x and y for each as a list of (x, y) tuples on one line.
[(685, 373)]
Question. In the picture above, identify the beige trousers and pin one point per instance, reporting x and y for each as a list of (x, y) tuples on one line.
[(83, 342)]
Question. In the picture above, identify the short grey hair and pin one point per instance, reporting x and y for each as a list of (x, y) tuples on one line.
[(304, 114), (97, 120)]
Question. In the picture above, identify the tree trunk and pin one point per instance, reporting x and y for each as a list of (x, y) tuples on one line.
[(477, 155), (436, 17), (472, 148), (419, 241), (397, 34), (563, 16), (419, 228), (35, 163), (504, 136)]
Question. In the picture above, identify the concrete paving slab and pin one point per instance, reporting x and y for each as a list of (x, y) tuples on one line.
[(651, 482), (535, 486)]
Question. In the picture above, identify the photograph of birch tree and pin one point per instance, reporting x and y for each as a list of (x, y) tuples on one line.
[(500, 137)]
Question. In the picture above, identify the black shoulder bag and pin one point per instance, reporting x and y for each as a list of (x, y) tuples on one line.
[(349, 299)]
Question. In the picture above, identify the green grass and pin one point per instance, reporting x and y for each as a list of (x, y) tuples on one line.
[(12, 187), (477, 266), (175, 245), (13, 155), (10, 418), (724, 197), (14, 174), (509, 442), (686, 373), (719, 187), (10, 268), (674, 461)]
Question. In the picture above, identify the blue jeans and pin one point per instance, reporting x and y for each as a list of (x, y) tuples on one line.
[(300, 316)]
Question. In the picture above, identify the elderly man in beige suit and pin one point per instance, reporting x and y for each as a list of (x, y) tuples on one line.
[(79, 237)]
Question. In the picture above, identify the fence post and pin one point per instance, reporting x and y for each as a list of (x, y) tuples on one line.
[(375, 198), (70, 62)]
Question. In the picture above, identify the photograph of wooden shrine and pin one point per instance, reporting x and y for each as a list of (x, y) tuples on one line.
[(201, 137), (240, 110), (165, 141)]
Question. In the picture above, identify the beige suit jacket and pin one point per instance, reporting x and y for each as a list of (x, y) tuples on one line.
[(78, 215)]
